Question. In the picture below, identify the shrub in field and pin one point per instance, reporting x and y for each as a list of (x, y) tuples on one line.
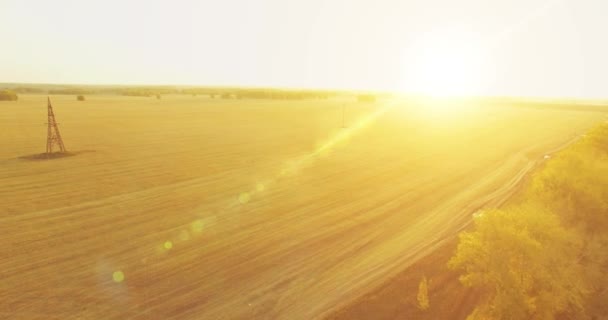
[(7, 95), (423, 294), (80, 98)]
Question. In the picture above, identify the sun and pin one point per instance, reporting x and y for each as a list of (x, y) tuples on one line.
[(444, 64)]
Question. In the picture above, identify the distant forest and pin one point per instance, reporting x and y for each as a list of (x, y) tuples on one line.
[(211, 92)]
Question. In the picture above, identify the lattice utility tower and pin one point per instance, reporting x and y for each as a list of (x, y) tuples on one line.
[(53, 137)]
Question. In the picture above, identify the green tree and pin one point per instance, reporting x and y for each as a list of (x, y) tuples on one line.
[(575, 186), (598, 138), (526, 262)]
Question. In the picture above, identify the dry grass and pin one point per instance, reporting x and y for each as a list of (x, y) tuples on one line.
[(260, 225)]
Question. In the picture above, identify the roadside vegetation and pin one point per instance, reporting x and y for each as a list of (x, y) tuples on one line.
[(545, 256)]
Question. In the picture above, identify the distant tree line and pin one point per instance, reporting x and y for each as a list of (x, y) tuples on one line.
[(366, 98), (28, 90), (147, 91), (71, 91), (270, 94), (7, 95), (281, 94), (212, 92)]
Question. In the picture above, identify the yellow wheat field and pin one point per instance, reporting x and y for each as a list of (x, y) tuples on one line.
[(197, 208)]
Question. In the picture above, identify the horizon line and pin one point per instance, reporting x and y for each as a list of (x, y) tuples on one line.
[(353, 90)]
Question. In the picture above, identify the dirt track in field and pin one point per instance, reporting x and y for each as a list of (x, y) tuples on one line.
[(243, 209)]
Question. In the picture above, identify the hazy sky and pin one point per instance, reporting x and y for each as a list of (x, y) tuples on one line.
[(510, 47)]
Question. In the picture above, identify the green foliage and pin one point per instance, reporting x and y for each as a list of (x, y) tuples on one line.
[(7, 95), (598, 138), (575, 183), (548, 255), (526, 261), (423, 294)]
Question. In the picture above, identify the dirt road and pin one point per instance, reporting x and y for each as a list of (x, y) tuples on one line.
[(244, 210)]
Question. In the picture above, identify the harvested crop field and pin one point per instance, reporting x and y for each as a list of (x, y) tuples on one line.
[(197, 208)]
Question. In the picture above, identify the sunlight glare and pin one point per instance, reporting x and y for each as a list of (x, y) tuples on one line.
[(444, 64)]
